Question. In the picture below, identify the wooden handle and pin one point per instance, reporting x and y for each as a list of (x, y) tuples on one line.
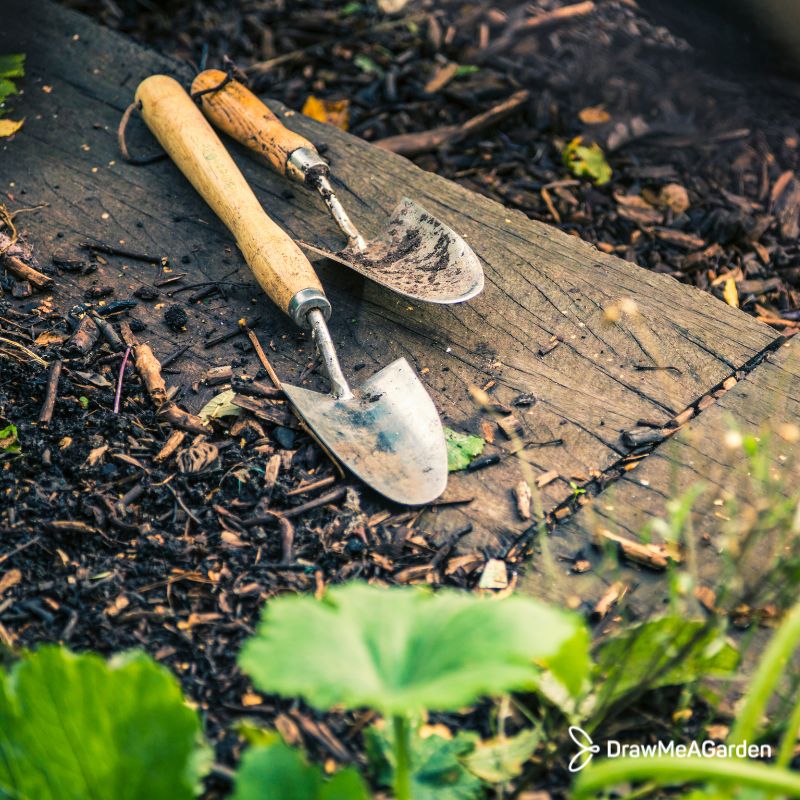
[(277, 262), (236, 111)]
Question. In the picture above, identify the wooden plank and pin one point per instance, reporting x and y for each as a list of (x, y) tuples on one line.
[(541, 283), (764, 403)]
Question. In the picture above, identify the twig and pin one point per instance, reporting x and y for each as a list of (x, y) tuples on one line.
[(287, 540), (262, 356), (322, 483), (111, 250), (50, 395), (174, 356), (655, 556), (409, 144), (322, 500), (171, 445), (118, 395), (610, 598), (27, 273), (229, 334), (540, 22)]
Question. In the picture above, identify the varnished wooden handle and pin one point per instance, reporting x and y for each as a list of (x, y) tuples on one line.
[(236, 111), (277, 262)]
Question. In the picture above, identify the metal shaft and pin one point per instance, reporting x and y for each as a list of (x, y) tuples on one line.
[(354, 238), (322, 339)]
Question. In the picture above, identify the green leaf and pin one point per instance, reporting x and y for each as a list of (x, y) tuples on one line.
[(572, 664), (366, 64), (279, 772), (461, 449), (75, 726), (500, 760), (401, 650), (12, 65), (9, 439), (587, 161), (437, 771), (466, 69), (350, 8), (671, 651), (221, 405)]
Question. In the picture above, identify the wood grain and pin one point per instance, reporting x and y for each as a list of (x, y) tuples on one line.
[(542, 286), (763, 403)]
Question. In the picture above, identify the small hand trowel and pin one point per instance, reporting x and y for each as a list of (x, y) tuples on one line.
[(387, 430), (415, 255)]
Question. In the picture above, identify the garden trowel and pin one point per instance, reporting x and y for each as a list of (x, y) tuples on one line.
[(387, 430), (415, 254)]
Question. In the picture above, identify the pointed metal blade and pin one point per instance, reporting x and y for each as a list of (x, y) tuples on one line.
[(417, 256), (389, 434)]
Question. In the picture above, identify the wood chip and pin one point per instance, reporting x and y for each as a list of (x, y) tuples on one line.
[(610, 598), (523, 498), (546, 477), (494, 575), (655, 556)]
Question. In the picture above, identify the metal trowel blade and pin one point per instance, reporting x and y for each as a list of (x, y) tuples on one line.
[(417, 256), (389, 433)]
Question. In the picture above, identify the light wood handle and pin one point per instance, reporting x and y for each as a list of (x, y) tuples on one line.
[(236, 111), (276, 261)]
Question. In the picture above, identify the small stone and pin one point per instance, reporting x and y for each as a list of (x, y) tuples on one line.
[(147, 293), (284, 437)]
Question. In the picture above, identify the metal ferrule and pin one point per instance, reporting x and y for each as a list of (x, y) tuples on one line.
[(305, 165), (354, 238), (302, 303), (330, 363)]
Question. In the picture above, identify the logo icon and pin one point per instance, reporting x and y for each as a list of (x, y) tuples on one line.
[(586, 748)]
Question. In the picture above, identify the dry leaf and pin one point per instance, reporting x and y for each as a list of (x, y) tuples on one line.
[(196, 458), (51, 337), (8, 127), (332, 112), (443, 75), (593, 115), (673, 196), (10, 579), (730, 294), (96, 455)]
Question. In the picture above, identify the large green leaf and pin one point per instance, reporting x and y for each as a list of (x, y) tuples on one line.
[(671, 651), (401, 650), (437, 771), (277, 772), (75, 727)]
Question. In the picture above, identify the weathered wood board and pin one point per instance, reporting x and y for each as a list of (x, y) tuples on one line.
[(764, 403), (540, 283)]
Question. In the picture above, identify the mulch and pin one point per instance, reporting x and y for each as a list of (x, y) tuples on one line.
[(119, 548)]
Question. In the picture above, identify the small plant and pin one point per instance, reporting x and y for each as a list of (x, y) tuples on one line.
[(587, 161), (404, 652), (726, 778)]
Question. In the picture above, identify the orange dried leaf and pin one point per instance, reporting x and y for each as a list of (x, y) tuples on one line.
[(593, 115), (332, 112)]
